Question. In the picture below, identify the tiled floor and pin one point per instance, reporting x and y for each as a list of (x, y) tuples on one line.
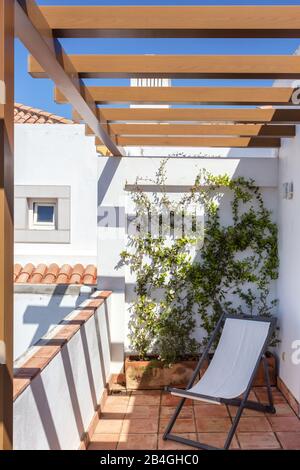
[(138, 420)]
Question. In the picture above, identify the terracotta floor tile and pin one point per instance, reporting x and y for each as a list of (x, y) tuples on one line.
[(117, 400), (283, 409), (258, 440), (168, 411), (284, 423), (146, 411), (146, 392), (278, 398), (246, 412), (181, 425), (289, 440), (137, 441), (118, 410), (212, 424), (113, 414), (104, 442), (254, 424), (136, 419), (252, 395), (211, 410), (140, 426), (109, 426), (147, 398), (262, 395), (116, 404), (216, 439), (171, 445), (170, 400)]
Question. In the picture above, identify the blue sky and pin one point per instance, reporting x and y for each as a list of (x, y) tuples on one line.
[(39, 92)]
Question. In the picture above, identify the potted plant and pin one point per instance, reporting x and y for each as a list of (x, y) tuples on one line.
[(233, 270), (162, 317)]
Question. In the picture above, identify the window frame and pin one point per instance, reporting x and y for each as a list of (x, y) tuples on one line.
[(34, 224)]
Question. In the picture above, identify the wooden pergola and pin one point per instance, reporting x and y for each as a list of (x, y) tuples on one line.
[(39, 28)]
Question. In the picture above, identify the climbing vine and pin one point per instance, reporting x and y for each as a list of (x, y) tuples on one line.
[(199, 274), (238, 260)]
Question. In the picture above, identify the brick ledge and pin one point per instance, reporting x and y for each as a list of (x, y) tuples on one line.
[(47, 349)]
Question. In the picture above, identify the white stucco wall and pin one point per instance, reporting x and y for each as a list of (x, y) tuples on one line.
[(39, 308), (58, 406), (289, 252), (58, 154), (202, 152), (112, 200)]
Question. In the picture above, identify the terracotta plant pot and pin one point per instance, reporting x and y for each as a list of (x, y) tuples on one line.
[(152, 374)]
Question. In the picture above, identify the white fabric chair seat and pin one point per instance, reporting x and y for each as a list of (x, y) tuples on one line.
[(232, 365)]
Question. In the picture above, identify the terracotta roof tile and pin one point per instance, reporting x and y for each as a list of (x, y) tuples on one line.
[(25, 273), (77, 275), (27, 115), (64, 274), (54, 274), (89, 274), (17, 270), (51, 274), (38, 274)]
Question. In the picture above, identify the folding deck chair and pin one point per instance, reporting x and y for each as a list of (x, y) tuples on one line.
[(231, 372)]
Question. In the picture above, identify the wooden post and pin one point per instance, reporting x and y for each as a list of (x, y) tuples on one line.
[(6, 220)]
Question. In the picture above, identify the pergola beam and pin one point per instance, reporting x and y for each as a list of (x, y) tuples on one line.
[(6, 220), (179, 66), (251, 115), (247, 130), (242, 142), (33, 30), (187, 95), (174, 21)]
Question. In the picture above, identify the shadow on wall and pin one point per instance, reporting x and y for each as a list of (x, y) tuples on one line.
[(48, 316), (106, 177), (65, 395)]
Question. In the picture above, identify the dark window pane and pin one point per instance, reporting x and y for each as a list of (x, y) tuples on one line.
[(45, 214)]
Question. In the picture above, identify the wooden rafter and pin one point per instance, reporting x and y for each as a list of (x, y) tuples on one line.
[(175, 21), (6, 221), (251, 115), (248, 130), (242, 142), (34, 32), (179, 66), (188, 95), (152, 21)]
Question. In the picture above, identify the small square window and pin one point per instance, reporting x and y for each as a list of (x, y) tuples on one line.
[(42, 215)]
